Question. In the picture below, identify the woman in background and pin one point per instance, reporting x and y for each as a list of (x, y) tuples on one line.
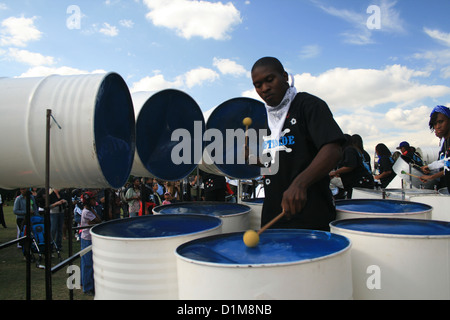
[(385, 163)]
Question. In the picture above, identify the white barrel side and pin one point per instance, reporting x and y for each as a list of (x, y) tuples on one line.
[(143, 268), (94, 146), (396, 266), (324, 277)]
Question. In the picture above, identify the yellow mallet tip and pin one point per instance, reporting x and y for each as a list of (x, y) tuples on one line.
[(251, 238), (247, 121)]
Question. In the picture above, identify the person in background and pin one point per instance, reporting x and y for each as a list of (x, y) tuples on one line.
[(409, 154), (155, 197), (167, 198), (133, 196), (57, 206), (2, 217), (89, 217), (385, 163), (20, 209), (359, 145), (352, 171), (440, 124)]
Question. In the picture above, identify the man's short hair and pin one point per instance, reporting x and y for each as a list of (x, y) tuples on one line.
[(269, 61)]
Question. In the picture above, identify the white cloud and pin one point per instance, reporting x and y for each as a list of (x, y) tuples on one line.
[(18, 31), (126, 23), (191, 18), (227, 66), (310, 51), (192, 78), (200, 75), (360, 34), (440, 36), (3, 6), (42, 71), (109, 30), (30, 58), (156, 83), (348, 89)]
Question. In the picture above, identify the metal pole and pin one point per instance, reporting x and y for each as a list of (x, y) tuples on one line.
[(28, 243), (70, 234), (47, 230)]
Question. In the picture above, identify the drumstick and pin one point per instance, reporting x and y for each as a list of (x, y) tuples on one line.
[(409, 174), (251, 237), (247, 122), (271, 223)]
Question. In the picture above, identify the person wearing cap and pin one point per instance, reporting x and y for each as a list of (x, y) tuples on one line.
[(410, 153), (440, 124), (89, 217), (167, 198)]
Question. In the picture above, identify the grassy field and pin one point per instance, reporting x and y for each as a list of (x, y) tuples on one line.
[(13, 269)]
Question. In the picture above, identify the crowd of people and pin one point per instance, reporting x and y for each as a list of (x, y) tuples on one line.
[(355, 169)]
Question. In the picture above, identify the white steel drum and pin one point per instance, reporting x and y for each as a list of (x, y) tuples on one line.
[(224, 120), (286, 265), (401, 165), (92, 138), (395, 194), (375, 208), (235, 217), (134, 258), (398, 258), (160, 152), (255, 213), (440, 204)]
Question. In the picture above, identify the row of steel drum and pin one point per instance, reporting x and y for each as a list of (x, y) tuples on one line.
[(376, 249)]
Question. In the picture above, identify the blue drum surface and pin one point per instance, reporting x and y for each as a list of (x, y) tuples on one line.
[(275, 247), (156, 226), (203, 208), (381, 206), (413, 227)]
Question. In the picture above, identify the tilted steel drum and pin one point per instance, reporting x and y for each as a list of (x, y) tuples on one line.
[(402, 165)]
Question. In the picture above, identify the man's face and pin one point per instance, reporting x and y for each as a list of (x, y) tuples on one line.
[(270, 85)]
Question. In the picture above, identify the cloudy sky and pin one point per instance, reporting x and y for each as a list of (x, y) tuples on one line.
[(381, 65)]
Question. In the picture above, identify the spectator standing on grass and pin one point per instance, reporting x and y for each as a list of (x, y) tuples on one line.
[(89, 217), (58, 206), (133, 196), (2, 217), (20, 209)]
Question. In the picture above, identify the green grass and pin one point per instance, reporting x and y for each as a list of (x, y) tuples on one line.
[(13, 269)]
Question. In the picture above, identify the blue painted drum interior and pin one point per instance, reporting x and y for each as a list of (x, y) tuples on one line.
[(229, 115), (381, 206), (156, 226), (162, 114), (275, 247), (114, 128), (412, 227), (203, 208)]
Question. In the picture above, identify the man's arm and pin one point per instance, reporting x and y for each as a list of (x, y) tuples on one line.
[(294, 198)]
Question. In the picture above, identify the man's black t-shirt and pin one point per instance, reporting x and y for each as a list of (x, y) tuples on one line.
[(309, 125)]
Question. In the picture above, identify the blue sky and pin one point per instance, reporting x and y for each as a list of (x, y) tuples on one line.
[(381, 82)]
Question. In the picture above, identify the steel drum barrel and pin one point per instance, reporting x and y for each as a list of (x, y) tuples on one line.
[(286, 264)]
